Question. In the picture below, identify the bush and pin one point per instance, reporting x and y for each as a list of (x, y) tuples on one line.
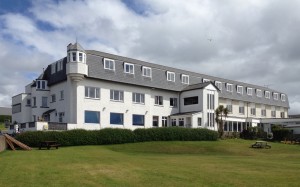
[(253, 133), (115, 136), (174, 134)]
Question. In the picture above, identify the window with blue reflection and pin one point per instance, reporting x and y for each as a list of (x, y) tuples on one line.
[(116, 118), (138, 120), (91, 117)]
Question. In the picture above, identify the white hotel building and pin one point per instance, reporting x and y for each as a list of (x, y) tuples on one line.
[(93, 90)]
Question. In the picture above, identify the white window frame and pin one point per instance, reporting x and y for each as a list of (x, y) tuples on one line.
[(89, 90), (229, 87), (121, 93), (282, 97), (218, 84), (158, 98), (170, 76), (109, 64), (275, 96), (141, 97), (185, 79), (53, 68), (258, 93), (147, 70), (267, 94), (249, 91), (239, 89), (80, 57), (131, 70), (175, 102)]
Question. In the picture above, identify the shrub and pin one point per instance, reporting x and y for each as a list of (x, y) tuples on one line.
[(174, 134), (253, 133), (115, 136)]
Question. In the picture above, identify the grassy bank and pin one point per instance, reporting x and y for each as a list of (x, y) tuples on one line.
[(220, 163), (2, 126)]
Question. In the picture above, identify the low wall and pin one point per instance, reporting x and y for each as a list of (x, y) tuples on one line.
[(2, 143)]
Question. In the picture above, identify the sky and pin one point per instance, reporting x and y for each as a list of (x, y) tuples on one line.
[(253, 41)]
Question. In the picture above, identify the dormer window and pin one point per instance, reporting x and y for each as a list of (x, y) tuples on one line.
[(229, 87), (267, 94), (147, 72), (185, 79), (275, 96), (41, 84), (205, 80), (282, 97), (258, 93), (128, 68), (170, 76), (53, 68), (239, 89), (59, 65), (218, 84), (249, 91), (109, 64)]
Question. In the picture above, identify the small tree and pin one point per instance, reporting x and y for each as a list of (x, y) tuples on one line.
[(221, 112)]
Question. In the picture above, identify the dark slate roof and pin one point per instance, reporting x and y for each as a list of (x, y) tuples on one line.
[(58, 76), (185, 113), (75, 47), (159, 78)]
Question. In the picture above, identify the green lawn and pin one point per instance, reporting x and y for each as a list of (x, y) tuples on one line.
[(2, 126), (221, 163)]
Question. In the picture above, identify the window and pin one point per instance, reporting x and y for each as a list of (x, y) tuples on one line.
[(258, 93), (275, 96), (263, 112), (173, 102), (249, 91), (218, 84), (92, 92), (16, 108), (282, 115), (138, 98), (60, 65), (155, 121), (211, 119), (164, 121), (229, 108), (53, 68), (185, 79), (239, 89), (61, 117), (173, 122), (44, 102), (199, 122), (41, 84), (128, 68), (147, 72), (170, 76), (229, 87), (190, 100), (53, 98), (241, 109), (80, 57), (91, 116), (61, 95), (138, 120), (282, 97), (158, 100), (74, 57), (116, 95), (116, 118), (181, 122), (205, 80), (210, 101), (109, 64), (28, 102), (34, 101), (267, 94), (273, 113)]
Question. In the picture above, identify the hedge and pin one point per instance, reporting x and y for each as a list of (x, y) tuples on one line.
[(116, 136)]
